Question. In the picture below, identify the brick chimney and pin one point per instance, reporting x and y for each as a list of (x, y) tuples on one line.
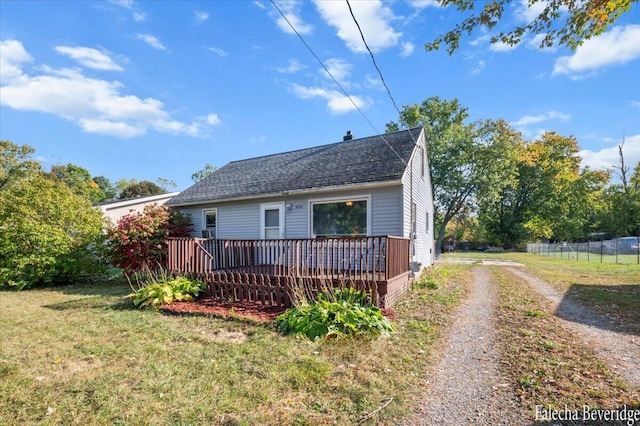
[(348, 136)]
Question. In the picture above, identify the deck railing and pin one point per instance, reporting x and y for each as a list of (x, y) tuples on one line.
[(356, 258)]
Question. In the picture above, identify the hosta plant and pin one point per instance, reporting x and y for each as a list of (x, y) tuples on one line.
[(157, 289), (335, 314)]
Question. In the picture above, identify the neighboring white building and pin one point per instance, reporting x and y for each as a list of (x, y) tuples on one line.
[(114, 210)]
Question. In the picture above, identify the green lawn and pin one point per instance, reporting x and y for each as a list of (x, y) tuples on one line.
[(611, 289), (81, 354)]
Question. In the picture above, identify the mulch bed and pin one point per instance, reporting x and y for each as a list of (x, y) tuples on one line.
[(208, 306), (245, 310)]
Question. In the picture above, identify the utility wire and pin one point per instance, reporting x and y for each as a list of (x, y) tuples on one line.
[(372, 57), (375, 64), (337, 83)]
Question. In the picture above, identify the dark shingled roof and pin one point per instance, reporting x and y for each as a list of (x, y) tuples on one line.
[(357, 161)]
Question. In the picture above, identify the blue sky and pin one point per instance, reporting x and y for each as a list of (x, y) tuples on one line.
[(142, 89)]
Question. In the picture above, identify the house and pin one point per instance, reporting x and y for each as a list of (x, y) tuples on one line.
[(114, 210), (373, 193)]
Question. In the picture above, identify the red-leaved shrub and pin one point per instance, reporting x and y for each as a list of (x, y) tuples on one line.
[(139, 240)]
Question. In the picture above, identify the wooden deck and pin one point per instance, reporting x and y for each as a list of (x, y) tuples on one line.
[(263, 270)]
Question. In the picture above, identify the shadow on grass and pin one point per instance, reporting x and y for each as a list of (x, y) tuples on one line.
[(104, 288), (107, 294), (97, 302), (616, 307)]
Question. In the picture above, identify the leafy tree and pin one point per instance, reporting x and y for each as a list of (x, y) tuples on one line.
[(16, 163), (108, 188), (551, 198), (562, 22), (620, 215), (79, 180), (467, 160), (165, 184), (139, 240), (141, 189), (201, 174), (48, 234)]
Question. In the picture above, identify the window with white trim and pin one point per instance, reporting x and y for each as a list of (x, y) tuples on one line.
[(210, 223), (339, 218)]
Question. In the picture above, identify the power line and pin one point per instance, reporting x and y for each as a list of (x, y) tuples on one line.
[(375, 64), (338, 83), (372, 57)]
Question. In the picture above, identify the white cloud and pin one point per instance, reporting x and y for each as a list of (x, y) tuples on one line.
[(339, 69), (502, 47), (532, 119), (477, 69), (423, 4), (374, 19), (200, 16), (291, 9), (373, 82), (407, 49), (615, 47), (608, 157), (535, 42), (152, 41), (480, 39), (97, 106), (635, 103), (124, 3), (218, 51), (291, 68), (523, 124), (111, 128), (260, 5), (527, 13), (213, 120), (337, 103), (139, 16), (12, 58), (90, 58)]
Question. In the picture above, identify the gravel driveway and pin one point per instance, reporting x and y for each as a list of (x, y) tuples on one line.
[(466, 387)]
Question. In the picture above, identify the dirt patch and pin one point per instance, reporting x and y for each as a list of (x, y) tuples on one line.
[(224, 336)]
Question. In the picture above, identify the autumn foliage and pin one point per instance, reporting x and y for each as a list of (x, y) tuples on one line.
[(139, 240)]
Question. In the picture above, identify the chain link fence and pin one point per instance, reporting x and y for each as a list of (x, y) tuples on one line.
[(617, 250)]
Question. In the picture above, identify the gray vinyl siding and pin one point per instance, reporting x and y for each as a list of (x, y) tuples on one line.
[(196, 217), (386, 211), (423, 198), (234, 221), (241, 220), (296, 220)]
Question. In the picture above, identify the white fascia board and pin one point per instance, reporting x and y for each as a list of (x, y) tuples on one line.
[(138, 200)]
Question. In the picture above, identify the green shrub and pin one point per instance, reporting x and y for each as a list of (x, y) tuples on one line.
[(48, 234), (335, 314), (161, 289)]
